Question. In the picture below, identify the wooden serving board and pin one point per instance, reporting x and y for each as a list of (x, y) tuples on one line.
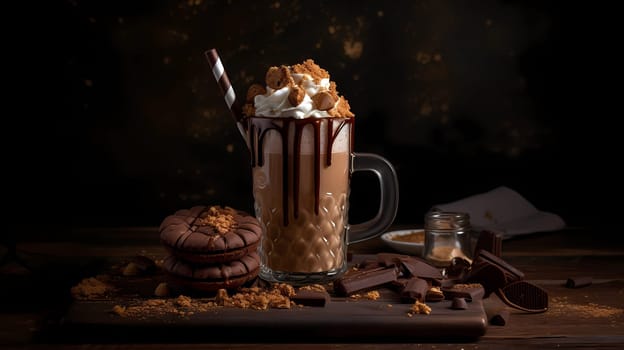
[(342, 319), (345, 320)]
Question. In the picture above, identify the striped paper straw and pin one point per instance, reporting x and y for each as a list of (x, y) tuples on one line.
[(227, 90)]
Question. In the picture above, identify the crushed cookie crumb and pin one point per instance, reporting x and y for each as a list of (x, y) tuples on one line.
[(342, 109), (162, 290), (131, 270), (183, 300), (119, 310), (160, 307), (221, 219), (285, 289), (561, 306), (464, 286), (371, 295), (90, 288), (419, 308), (310, 68), (155, 302), (434, 294), (314, 288), (256, 298), (277, 295)]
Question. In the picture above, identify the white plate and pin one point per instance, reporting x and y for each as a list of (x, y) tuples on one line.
[(404, 247)]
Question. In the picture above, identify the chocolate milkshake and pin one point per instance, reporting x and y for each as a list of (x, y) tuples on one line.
[(300, 133), (301, 194)]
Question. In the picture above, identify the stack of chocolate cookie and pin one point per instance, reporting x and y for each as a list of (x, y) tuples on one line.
[(210, 248)]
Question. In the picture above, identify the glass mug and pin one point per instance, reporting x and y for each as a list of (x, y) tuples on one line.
[(301, 170)]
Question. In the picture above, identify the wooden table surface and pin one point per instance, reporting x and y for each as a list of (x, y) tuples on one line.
[(589, 317)]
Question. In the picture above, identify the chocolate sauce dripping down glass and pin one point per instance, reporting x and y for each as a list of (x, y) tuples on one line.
[(258, 127)]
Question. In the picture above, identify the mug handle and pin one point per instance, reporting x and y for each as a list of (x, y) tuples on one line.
[(389, 201)]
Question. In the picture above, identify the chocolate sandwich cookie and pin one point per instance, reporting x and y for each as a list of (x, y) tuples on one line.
[(212, 234), (211, 277)]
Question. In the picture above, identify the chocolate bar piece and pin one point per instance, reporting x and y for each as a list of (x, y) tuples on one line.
[(411, 266), (524, 296), (500, 318), (490, 241), (459, 304), (578, 282), (389, 259), (355, 281), (490, 276), (398, 284), (415, 289), (311, 298), (470, 292), (511, 273), (368, 264)]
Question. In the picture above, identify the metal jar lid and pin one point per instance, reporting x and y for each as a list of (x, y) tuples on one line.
[(441, 220)]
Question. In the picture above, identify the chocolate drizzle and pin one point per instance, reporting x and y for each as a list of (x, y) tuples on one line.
[(257, 129)]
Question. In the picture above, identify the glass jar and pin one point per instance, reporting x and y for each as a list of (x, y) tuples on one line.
[(447, 236)]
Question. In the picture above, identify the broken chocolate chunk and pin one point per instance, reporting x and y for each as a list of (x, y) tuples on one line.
[(415, 289), (500, 318), (490, 276), (470, 292), (524, 296), (490, 241), (368, 264), (355, 281), (486, 258), (411, 266), (311, 298), (459, 304), (578, 282)]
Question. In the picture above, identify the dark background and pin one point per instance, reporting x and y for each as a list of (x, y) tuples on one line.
[(128, 124)]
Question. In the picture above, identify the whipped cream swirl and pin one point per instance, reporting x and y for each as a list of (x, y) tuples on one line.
[(275, 103)]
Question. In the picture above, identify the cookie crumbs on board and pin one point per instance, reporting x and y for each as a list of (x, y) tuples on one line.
[(314, 288), (254, 298), (371, 295)]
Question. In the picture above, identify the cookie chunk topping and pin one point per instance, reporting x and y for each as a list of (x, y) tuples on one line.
[(221, 219)]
